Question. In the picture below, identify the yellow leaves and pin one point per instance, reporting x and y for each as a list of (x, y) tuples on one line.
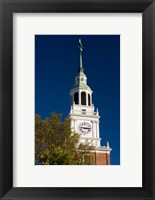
[(55, 144)]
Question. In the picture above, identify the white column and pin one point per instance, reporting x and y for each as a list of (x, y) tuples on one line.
[(96, 130), (86, 98), (93, 129), (96, 142), (91, 99), (79, 97), (94, 133), (98, 134)]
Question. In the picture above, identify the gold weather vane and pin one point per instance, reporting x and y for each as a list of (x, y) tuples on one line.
[(81, 46)]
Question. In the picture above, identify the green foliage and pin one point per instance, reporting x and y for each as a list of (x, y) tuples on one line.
[(56, 144)]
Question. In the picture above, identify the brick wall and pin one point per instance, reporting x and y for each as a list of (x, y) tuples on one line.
[(101, 158)]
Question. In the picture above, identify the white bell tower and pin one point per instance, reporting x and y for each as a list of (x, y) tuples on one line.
[(84, 117)]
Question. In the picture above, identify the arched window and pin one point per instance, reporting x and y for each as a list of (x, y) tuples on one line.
[(76, 98), (83, 98), (88, 99)]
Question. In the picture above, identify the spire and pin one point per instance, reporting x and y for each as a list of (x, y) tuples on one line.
[(108, 146), (81, 49), (81, 79)]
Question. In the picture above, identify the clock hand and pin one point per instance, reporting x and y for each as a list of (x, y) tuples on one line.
[(85, 128)]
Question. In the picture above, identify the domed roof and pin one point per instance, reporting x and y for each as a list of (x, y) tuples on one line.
[(82, 86)]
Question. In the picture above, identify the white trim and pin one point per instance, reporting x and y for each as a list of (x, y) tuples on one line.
[(84, 115)]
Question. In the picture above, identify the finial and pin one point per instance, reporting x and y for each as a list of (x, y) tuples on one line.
[(108, 146), (71, 109), (81, 49)]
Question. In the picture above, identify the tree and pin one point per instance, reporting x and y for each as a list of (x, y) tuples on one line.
[(56, 144)]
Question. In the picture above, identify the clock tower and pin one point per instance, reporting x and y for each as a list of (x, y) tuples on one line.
[(84, 116)]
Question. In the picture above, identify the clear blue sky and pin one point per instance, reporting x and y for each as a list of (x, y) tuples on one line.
[(56, 65)]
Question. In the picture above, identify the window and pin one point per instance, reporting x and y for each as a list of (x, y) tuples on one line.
[(88, 99), (83, 98), (76, 98)]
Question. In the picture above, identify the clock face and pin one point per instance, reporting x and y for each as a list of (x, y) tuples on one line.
[(84, 128)]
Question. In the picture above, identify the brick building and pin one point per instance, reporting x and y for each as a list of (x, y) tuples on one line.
[(84, 117)]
